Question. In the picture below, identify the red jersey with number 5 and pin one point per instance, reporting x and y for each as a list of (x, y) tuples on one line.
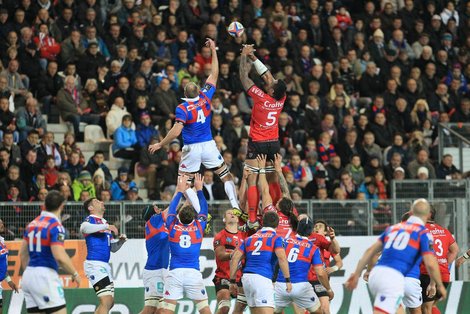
[(443, 239), (264, 126)]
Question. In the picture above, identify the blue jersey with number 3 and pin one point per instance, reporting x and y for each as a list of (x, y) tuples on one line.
[(42, 233), (259, 251), (404, 244), (196, 117)]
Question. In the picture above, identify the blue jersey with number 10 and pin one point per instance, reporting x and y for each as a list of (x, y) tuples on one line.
[(404, 244), (196, 115)]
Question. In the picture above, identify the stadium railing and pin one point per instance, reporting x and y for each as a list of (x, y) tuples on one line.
[(454, 139)]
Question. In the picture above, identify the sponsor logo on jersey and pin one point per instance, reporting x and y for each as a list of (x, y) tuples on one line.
[(185, 228), (276, 105)]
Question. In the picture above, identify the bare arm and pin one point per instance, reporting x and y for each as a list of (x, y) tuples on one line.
[(245, 68), (221, 254), (58, 251), (322, 277), (243, 187), (367, 257), (432, 267), (24, 254), (172, 134), (282, 179), (283, 264), (267, 76), (453, 252), (236, 257), (214, 76), (334, 245)]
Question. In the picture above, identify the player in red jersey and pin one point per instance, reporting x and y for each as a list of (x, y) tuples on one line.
[(332, 246), (284, 207), (446, 250), (225, 242), (264, 127)]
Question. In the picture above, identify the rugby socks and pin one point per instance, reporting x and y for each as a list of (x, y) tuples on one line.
[(231, 192), (253, 201), (275, 192), (435, 310)]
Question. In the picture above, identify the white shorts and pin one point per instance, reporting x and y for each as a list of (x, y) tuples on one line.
[(194, 155), (388, 287), (185, 282), (259, 290), (96, 271), (154, 283), (413, 298), (302, 295), (42, 288)]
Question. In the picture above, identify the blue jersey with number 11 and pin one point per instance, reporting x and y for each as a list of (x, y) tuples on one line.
[(196, 114)]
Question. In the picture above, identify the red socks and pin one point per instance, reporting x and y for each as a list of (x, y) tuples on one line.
[(253, 201), (435, 310)]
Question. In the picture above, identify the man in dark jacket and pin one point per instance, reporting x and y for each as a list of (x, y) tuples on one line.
[(446, 168), (13, 178), (97, 161), (382, 130), (49, 86)]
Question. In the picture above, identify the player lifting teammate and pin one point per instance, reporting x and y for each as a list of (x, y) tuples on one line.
[(158, 251), (42, 250), (401, 245), (193, 118), (225, 242), (264, 127), (100, 243)]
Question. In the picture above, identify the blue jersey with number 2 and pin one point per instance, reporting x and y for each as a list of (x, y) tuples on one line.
[(404, 244), (196, 116)]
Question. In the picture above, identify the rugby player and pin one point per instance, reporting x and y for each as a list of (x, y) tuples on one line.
[(4, 266)]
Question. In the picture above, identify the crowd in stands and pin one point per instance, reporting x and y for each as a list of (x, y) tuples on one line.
[(368, 82)]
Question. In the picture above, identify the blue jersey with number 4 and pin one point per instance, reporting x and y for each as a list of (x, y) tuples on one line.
[(196, 115), (42, 233), (259, 251), (404, 244)]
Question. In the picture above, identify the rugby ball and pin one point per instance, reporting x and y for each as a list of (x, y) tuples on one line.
[(235, 29)]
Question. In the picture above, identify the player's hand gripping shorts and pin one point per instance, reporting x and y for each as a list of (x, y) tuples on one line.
[(185, 281), (302, 295), (154, 283), (100, 277), (194, 155), (42, 289), (259, 290), (388, 287)]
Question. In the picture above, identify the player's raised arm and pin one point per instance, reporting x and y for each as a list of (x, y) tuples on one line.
[(262, 70), (282, 179), (214, 76), (263, 182), (180, 187), (198, 184), (245, 68)]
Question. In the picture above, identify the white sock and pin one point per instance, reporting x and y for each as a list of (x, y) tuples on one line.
[(231, 192), (193, 199)]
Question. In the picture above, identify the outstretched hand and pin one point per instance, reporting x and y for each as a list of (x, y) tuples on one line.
[(211, 44), (261, 158), (182, 183), (198, 181), (278, 162), (248, 50)]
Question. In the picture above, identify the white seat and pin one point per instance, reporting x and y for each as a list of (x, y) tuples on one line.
[(94, 134), (116, 162)]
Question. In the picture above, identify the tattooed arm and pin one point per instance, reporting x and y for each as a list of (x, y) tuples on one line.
[(245, 68), (282, 180)]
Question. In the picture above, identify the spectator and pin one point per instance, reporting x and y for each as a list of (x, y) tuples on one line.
[(73, 107), (7, 119), (5, 161), (70, 145), (115, 115), (30, 166), (125, 140), (213, 190), (236, 131), (382, 130), (30, 118), (151, 166), (31, 142), (381, 184), (72, 165), (164, 100), (421, 161), (355, 169), (13, 149), (132, 195), (100, 182), (399, 147), (17, 84), (371, 83), (420, 113), (446, 168), (121, 184), (50, 148), (347, 185), (350, 146), (50, 171), (300, 174), (48, 48), (72, 48), (97, 162), (462, 113), (422, 174), (105, 196), (13, 178), (81, 184), (145, 130), (325, 149)]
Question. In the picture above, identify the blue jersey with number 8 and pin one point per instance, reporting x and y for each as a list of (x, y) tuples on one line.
[(404, 244), (195, 115), (259, 251)]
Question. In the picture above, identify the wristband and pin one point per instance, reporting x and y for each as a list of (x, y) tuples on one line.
[(466, 256), (335, 268), (262, 171), (233, 281), (287, 280), (260, 67), (8, 278), (75, 275)]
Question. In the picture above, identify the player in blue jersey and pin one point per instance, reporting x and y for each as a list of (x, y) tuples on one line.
[(186, 231), (100, 243), (4, 266), (262, 250), (193, 118), (41, 253), (401, 246), (158, 251), (301, 254)]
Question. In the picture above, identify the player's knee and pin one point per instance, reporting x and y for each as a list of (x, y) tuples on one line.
[(201, 305), (278, 310)]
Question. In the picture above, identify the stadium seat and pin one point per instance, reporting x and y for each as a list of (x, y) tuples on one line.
[(94, 134), (115, 162)]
